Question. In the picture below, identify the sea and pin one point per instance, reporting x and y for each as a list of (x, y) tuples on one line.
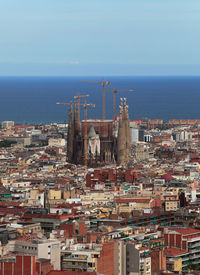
[(32, 100)]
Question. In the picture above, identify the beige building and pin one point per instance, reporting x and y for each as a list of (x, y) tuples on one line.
[(59, 142), (55, 194), (36, 198), (174, 264), (85, 260), (24, 228), (171, 202), (127, 205), (42, 249), (141, 151), (96, 197)]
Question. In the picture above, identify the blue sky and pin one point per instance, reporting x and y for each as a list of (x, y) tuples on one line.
[(63, 37)]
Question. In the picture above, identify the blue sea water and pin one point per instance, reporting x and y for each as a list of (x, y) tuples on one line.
[(31, 100)]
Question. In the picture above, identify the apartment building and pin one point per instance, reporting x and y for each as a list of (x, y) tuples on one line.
[(131, 258), (80, 260), (188, 240), (42, 249)]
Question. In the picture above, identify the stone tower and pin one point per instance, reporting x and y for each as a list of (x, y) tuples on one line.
[(123, 139)]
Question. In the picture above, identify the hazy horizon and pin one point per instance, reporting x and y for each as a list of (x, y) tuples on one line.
[(98, 70), (95, 37)]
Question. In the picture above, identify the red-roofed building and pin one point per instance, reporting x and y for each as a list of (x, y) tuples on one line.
[(184, 243), (188, 232), (174, 258), (24, 265), (22, 128), (174, 251), (167, 177)]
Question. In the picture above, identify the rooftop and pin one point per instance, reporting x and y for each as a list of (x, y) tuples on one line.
[(174, 251), (187, 231)]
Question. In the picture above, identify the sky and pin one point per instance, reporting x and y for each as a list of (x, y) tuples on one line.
[(99, 37)]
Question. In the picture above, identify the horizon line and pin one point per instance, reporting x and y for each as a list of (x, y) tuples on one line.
[(77, 76)]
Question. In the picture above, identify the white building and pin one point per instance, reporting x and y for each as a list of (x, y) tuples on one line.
[(7, 124), (59, 142)]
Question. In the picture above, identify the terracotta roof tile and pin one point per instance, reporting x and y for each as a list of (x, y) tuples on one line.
[(187, 231), (174, 251)]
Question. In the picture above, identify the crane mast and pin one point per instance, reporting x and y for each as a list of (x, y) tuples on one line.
[(104, 83), (78, 97)]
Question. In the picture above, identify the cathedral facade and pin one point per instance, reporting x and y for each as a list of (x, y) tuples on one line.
[(108, 141)]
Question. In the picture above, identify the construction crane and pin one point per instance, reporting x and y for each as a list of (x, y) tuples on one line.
[(104, 83), (67, 103), (114, 99), (85, 105), (78, 97)]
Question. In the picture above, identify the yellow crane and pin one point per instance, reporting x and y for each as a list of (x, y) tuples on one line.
[(104, 83), (78, 97), (67, 103)]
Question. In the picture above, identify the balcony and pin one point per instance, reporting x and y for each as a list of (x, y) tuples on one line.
[(194, 256), (72, 266), (192, 245), (194, 249), (142, 262), (185, 263), (185, 257), (75, 258), (153, 222)]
